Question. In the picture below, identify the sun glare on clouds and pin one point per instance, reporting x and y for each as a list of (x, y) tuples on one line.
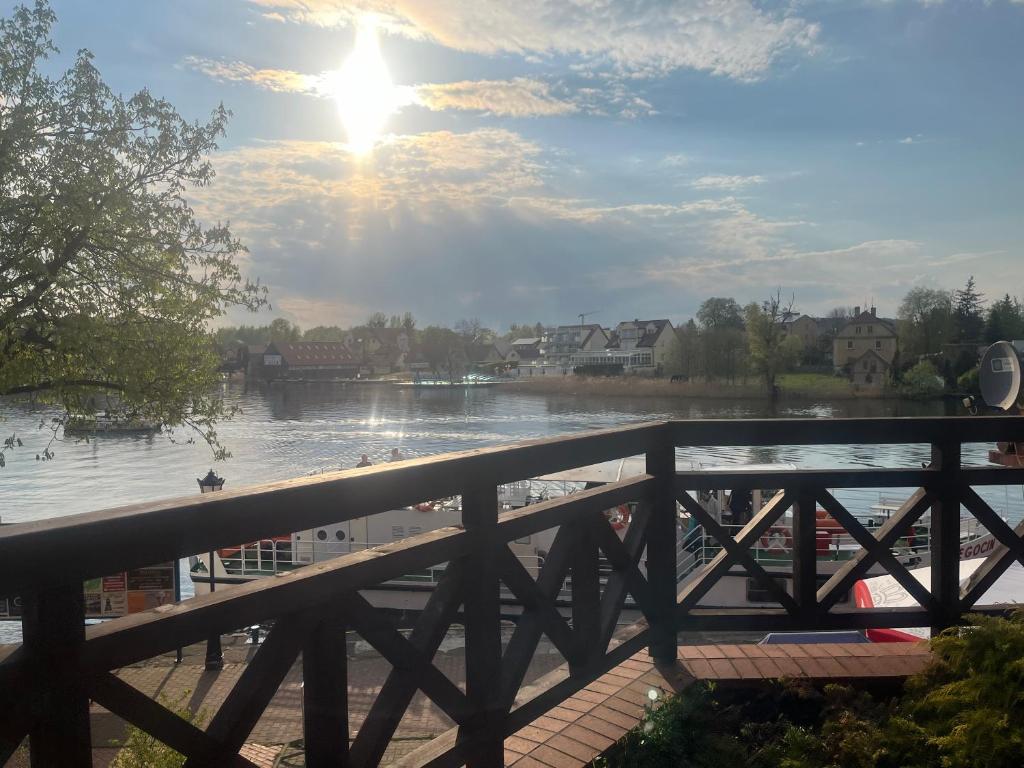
[(364, 91)]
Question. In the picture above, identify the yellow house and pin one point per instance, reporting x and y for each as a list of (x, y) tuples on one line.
[(865, 332)]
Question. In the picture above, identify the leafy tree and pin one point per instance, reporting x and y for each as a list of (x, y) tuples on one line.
[(377, 320), (689, 348), (718, 313), (927, 321), (968, 313), (408, 322), (443, 349), (1005, 321), (324, 333), (721, 336), (107, 281), (284, 331), (771, 351)]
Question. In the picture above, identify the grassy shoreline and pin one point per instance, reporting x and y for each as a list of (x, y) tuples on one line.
[(791, 387)]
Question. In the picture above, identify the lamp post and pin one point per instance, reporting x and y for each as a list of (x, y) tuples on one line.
[(214, 655)]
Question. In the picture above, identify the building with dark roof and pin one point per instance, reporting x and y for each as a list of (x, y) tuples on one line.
[(309, 360)]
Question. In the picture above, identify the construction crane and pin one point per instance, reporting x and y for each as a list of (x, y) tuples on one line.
[(584, 315)]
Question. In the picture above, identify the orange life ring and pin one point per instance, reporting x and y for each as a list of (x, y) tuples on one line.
[(777, 539), (619, 517), (426, 506)]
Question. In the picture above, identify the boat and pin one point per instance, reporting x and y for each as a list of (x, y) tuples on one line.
[(470, 381), (886, 592), (105, 424), (254, 560), (695, 547)]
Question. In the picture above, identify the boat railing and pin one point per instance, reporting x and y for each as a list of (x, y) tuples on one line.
[(47, 684)]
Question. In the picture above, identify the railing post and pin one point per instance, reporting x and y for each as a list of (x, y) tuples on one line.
[(482, 603), (53, 625), (805, 556), (586, 596), (214, 661), (661, 549), (325, 695), (945, 534)]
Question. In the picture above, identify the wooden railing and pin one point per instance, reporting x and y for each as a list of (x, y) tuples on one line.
[(46, 684)]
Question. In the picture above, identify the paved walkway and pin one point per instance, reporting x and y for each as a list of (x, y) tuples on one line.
[(568, 736)]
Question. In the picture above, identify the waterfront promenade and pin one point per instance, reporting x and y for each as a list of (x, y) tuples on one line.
[(273, 740)]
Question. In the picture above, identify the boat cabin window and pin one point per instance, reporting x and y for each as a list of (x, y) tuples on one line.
[(321, 534), (524, 540), (397, 532)]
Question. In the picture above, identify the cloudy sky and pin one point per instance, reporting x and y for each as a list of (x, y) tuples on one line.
[(535, 159)]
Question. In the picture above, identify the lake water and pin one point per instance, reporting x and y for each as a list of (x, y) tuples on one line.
[(291, 430), (285, 431)]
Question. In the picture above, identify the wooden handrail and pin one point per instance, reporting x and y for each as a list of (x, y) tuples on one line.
[(45, 562), (77, 547)]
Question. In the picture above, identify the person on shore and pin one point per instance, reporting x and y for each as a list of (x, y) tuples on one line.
[(364, 461), (396, 455)]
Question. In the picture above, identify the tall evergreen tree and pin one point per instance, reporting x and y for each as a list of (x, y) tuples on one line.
[(968, 313)]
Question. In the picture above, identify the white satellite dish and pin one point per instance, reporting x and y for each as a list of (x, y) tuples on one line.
[(1000, 375)]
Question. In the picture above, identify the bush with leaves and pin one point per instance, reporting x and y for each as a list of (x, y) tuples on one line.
[(140, 750), (965, 711)]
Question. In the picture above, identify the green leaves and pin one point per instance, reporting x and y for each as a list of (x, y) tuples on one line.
[(107, 281)]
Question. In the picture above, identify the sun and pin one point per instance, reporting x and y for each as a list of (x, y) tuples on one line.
[(364, 92)]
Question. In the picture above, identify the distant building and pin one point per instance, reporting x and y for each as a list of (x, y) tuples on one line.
[(864, 333), (567, 340), (309, 360), (528, 349), (651, 341), (493, 355), (380, 350), (805, 328)]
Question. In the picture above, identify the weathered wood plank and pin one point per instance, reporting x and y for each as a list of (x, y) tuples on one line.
[(871, 431), (998, 560), (537, 602), (396, 693), (325, 695), (777, 620), (551, 513), (661, 550), (945, 533), (719, 564), (740, 554), (242, 708), (143, 635), (743, 479), (405, 657), (140, 710), (53, 625), (882, 555), (482, 604), (854, 568), (36, 554), (516, 659), (625, 577)]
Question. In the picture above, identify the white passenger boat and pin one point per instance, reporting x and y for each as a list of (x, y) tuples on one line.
[(885, 592), (694, 546)]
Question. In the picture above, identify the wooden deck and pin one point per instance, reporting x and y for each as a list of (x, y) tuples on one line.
[(591, 721)]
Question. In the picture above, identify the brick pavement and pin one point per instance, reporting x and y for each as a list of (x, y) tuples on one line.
[(568, 736)]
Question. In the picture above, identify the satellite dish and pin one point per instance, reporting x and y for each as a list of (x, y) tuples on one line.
[(1000, 375)]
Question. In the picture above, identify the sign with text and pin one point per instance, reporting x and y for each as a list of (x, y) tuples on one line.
[(118, 595)]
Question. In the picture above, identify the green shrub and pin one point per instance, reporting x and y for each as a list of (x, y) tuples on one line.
[(922, 380), (140, 750), (965, 711)]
